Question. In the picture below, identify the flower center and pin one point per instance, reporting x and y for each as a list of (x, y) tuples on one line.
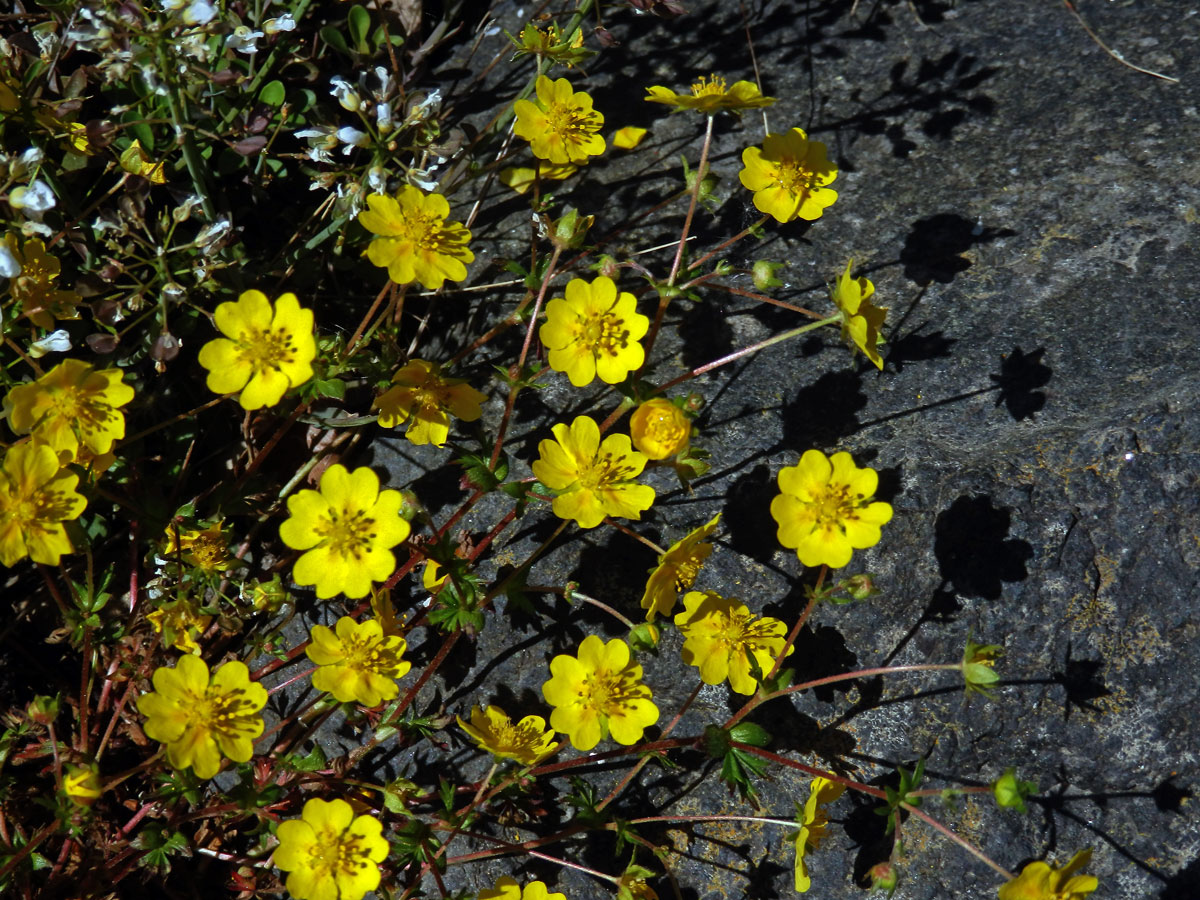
[(369, 654), (332, 854), (686, 571), (268, 348), (570, 123), (604, 691), (664, 429), (605, 333), (794, 176), (833, 505), (604, 471), (221, 711), (347, 535), (713, 85)]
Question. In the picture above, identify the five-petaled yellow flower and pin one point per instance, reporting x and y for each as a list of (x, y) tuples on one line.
[(788, 176), (594, 331), (827, 509), (861, 319), (266, 350), (659, 428), (677, 570), (599, 694), (348, 529), (507, 888), (330, 853), (812, 828), (592, 480), (205, 548), (710, 96), (71, 405), (527, 741), (426, 399), (722, 637), (561, 125), (180, 624), (36, 497), (358, 663), (413, 240), (1039, 881), (199, 720), (34, 288)]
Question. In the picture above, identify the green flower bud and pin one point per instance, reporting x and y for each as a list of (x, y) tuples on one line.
[(1011, 791), (764, 274)]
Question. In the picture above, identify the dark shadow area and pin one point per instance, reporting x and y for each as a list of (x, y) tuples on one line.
[(824, 412), (973, 550), (705, 333), (746, 518), (917, 347), (933, 249), (1020, 376)]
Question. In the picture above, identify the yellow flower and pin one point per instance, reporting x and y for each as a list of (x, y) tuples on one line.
[(199, 720), (812, 829), (358, 663), (36, 497), (265, 352), (82, 784), (861, 320), (179, 624), (660, 428), (826, 509), (599, 694), (722, 636), (426, 399), (592, 480), (521, 178), (34, 286), (506, 888), (528, 741), (561, 125), (677, 570), (710, 96), (594, 331), (70, 405), (1038, 881), (348, 528), (788, 176), (205, 548), (414, 242), (331, 853)]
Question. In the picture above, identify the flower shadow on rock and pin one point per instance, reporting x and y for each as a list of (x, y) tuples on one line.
[(1020, 376), (749, 528), (973, 549), (933, 250), (824, 412)]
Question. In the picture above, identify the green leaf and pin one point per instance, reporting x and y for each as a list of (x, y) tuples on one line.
[(273, 93), (333, 37), (749, 733), (358, 24)]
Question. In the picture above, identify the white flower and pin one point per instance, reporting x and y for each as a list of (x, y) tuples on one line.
[(383, 117), (36, 198), (283, 23), (199, 12), (25, 163), (345, 93), (352, 138), (210, 234), (9, 266), (243, 40), (55, 342), (322, 136), (377, 179), (316, 154), (385, 82)]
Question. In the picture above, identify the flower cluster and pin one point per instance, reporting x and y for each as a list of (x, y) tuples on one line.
[(594, 331), (266, 351), (347, 530), (357, 662), (599, 694), (413, 240), (827, 509), (592, 479), (426, 399), (200, 720), (330, 853), (561, 125)]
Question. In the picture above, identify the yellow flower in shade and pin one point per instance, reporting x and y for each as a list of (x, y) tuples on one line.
[(36, 497), (330, 853), (358, 663), (721, 637), (521, 178), (827, 509), (660, 429), (861, 320), (599, 694), (528, 741), (81, 784), (179, 624), (560, 125), (592, 480), (200, 721), (426, 399), (812, 828), (788, 176), (677, 570), (710, 96), (594, 331), (205, 548), (413, 240), (69, 406), (34, 286), (507, 888), (348, 528), (1039, 881), (266, 350)]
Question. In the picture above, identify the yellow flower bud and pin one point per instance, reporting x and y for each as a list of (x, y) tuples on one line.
[(660, 429)]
